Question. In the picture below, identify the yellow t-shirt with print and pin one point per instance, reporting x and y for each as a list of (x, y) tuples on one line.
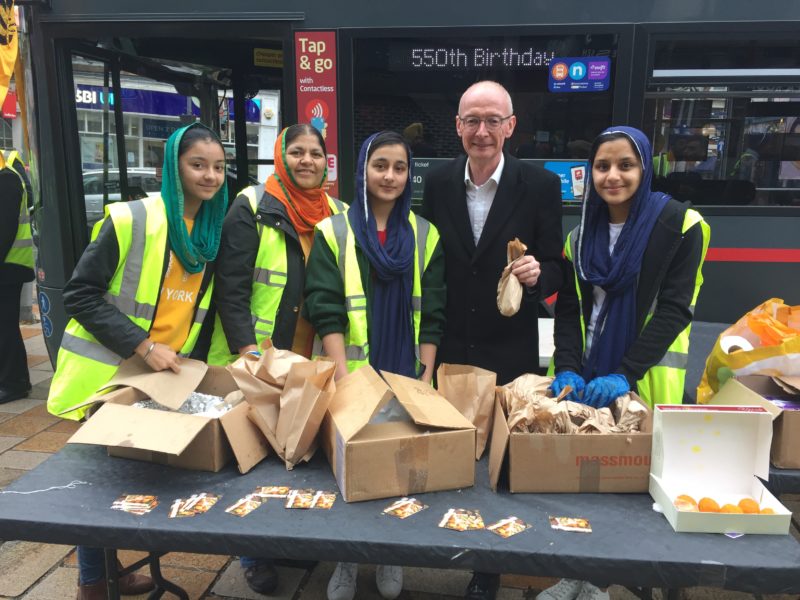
[(176, 302)]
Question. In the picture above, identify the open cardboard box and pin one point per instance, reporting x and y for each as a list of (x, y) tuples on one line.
[(433, 451), (564, 462), (758, 390), (172, 438), (717, 452)]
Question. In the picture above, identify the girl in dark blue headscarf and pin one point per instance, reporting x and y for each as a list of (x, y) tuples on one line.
[(636, 257)]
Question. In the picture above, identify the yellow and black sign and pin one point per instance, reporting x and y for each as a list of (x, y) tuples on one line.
[(268, 57)]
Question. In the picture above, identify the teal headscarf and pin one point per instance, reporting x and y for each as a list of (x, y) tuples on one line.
[(201, 247)]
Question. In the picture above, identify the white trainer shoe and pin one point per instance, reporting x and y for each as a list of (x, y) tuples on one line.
[(566, 589), (592, 592), (342, 585), (389, 580)]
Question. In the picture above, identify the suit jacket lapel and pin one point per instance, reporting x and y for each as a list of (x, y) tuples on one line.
[(457, 203), (503, 205)]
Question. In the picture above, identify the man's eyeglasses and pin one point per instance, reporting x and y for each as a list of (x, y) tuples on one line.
[(474, 123)]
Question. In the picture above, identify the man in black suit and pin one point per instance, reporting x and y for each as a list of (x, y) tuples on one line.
[(479, 203)]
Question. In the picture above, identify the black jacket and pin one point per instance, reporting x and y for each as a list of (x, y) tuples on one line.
[(10, 197), (236, 262), (667, 277), (84, 295), (527, 205)]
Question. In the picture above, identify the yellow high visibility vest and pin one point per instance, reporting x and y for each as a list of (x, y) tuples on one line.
[(663, 383), (84, 364), (270, 275), (340, 239), (21, 252)]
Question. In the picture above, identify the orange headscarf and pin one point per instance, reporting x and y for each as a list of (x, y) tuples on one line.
[(305, 207)]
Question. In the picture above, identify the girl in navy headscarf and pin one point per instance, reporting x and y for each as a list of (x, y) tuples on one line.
[(375, 292), (634, 272)]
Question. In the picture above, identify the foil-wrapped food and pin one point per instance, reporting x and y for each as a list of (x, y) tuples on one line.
[(203, 405), (531, 409)]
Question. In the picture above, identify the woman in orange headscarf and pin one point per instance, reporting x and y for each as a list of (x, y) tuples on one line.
[(266, 240)]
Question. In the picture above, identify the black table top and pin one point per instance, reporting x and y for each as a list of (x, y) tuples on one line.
[(630, 545)]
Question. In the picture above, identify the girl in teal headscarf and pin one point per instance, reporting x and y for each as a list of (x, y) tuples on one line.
[(142, 287)]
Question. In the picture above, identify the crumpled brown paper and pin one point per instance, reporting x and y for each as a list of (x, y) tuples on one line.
[(509, 289), (531, 408), (288, 396)]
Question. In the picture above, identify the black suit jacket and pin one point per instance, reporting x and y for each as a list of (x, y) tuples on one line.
[(527, 206)]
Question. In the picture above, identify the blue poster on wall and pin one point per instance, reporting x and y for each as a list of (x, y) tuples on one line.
[(583, 74), (572, 175)]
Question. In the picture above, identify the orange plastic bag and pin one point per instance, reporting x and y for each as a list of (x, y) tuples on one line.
[(765, 341)]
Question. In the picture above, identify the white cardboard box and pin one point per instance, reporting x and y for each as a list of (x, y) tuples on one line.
[(717, 452)]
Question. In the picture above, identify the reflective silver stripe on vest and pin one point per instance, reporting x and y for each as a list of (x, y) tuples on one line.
[(258, 321), (91, 350), (269, 277), (355, 303), (24, 218), (22, 243), (355, 353), (338, 204), (416, 303), (423, 227), (126, 300), (131, 308), (674, 360), (340, 233), (200, 316)]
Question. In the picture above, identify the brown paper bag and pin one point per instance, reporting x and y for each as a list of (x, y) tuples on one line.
[(471, 390), (261, 378), (305, 398), (509, 289)]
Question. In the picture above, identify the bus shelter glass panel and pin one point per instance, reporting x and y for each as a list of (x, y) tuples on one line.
[(724, 145), (413, 86), (151, 112)]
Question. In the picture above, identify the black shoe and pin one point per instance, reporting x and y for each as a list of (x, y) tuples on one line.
[(483, 586), (262, 579), (11, 394)]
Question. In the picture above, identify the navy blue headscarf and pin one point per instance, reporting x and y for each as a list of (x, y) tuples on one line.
[(391, 336), (618, 273)]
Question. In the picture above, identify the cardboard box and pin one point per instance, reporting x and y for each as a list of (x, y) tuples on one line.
[(434, 450), (717, 452), (580, 462), (172, 438), (758, 390)]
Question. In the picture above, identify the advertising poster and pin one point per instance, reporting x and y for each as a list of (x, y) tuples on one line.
[(584, 74), (315, 64)]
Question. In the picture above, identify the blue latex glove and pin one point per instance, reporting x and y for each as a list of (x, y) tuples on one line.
[(571, 379), (602, 391)]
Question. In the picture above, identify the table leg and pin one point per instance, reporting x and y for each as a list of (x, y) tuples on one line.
[(162, 585), (112, 576)]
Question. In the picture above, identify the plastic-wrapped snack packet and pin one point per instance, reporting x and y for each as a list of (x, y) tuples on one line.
[(508, 527), (461, 519), (404, 508), (244, 506)]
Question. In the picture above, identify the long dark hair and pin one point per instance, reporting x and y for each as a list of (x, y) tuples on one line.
[(197, 134), (389, 138)]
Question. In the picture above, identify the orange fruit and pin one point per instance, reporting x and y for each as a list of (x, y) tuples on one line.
[(749, 506), (686, 503), (730, 508), (708, 505), (767, 511)]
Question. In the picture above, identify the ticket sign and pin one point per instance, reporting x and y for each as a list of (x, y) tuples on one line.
[(315, 64), (584, 74)]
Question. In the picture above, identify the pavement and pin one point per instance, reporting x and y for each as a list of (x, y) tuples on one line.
[(34, 571)]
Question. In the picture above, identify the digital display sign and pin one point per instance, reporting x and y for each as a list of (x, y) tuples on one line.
[(510, 57)]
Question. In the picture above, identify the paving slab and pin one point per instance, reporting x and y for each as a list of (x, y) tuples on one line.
[(58, 585), (7, 442), (38, 376), (9, 475), (19, 459), (37, 359), (196, 583), (65, 426), (232, 584), (40, 389), (40, 411), (435, 581), (23, 426), (203, 562), (45, 441), (6, 416), (23, 563), (20, 406)]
